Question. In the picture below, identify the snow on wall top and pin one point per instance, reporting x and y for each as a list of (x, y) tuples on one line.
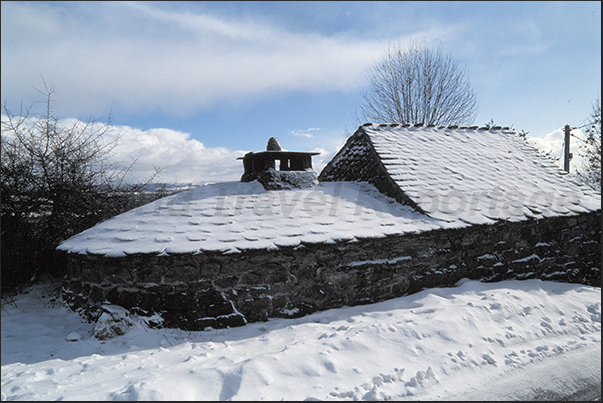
[(476, 175), (230, 217)]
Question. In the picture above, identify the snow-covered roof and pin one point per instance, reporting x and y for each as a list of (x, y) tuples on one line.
[(476, 175), (451, 177), (234, 216)]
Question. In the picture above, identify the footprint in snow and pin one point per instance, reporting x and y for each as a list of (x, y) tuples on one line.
[(526, 310), (489, 359), (546, 325)]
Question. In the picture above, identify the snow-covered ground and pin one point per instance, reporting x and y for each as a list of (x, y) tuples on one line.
[(477, 341)]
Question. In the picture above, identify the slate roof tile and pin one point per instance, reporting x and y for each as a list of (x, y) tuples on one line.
[(458, 176)]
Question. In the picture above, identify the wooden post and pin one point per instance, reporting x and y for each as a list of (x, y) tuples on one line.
[(566, 159)]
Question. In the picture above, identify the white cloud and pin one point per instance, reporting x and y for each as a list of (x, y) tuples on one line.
[(137, 56), (185, 160), (181, 159), (305, 133)]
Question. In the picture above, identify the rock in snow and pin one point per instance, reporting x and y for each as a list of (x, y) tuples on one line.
[(73, 336), (114, 321)]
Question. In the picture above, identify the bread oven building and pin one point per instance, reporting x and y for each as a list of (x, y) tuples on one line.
[(398, 209)]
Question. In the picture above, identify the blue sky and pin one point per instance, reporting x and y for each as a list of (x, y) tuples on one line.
[(211, 80)]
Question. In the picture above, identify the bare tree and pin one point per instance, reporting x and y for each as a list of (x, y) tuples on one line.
[(56, 180), (590, 150), (418, 84)]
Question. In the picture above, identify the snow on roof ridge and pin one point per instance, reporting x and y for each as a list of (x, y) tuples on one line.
[(377, 126)]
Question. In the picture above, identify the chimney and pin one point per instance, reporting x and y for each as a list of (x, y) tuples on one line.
[(277, 169)]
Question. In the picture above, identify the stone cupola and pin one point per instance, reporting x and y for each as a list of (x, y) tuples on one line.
[(277, 169)]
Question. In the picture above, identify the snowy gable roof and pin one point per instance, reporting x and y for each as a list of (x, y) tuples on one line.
[(236, 216), (441, 177), (477, 176)]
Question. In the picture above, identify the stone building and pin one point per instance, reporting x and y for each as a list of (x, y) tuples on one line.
[(398, 209)]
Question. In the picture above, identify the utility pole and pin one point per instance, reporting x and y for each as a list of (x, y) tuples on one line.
[(568, 155)]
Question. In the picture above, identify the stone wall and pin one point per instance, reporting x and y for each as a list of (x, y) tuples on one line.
[(216, 290)]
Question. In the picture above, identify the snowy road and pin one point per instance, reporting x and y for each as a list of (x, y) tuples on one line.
[(512, 340), (574, 377)]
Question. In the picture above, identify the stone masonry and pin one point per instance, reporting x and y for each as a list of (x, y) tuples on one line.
[(196, 291)]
